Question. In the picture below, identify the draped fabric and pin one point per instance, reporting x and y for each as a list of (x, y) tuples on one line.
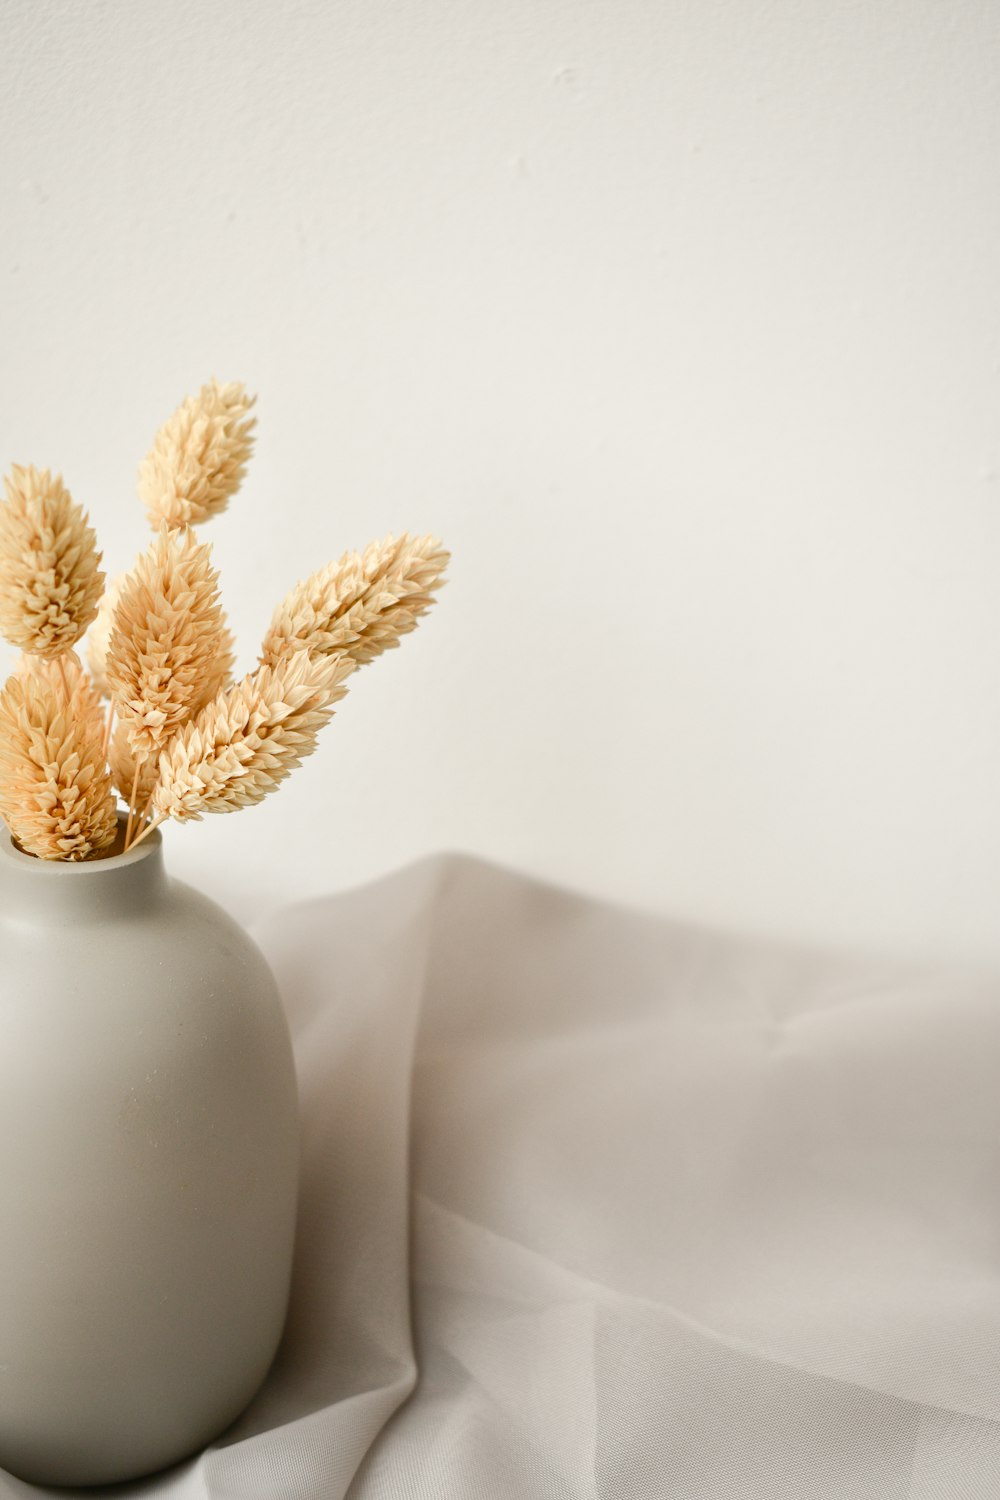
[(599, 1206)]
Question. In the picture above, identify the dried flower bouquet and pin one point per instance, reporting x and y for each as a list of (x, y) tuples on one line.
[(155, 716)]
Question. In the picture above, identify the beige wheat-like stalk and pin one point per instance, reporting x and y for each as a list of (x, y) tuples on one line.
[(360, 605), (199, 456), (55, 790), (243, 744), (170, 651), (99, 635), (50, 579), (123, 765)]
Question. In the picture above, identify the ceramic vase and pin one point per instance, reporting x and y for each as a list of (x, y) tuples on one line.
[(149, 1151)]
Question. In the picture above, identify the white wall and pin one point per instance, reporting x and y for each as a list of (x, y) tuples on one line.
[(680, 321)]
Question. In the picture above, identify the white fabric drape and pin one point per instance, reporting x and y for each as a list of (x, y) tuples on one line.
[(660, 1213)]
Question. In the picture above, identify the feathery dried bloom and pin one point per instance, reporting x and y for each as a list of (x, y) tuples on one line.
[(242, 745), (122, 761), (170, 651), (199, 457), (50, 581), (360, 605), (99, 635), (55, 791)]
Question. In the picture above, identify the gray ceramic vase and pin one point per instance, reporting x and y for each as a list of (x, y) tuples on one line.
[(149, 1151)]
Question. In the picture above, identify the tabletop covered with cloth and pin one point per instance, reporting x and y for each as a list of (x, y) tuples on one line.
[(601, 1206)]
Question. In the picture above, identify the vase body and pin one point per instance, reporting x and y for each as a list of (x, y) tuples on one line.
[(149, 1152)]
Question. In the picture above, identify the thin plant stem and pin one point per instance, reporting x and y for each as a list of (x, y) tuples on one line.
[(149, 828), (131, 804), (61, 659), (149, 803), (107, 727)]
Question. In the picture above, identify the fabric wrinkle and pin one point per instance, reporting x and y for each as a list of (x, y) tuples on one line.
[(661, 1212)]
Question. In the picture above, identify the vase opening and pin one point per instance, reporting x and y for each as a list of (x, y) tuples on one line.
[(115, 851)]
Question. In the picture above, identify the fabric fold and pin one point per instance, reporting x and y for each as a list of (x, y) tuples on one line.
[(656, 1210)]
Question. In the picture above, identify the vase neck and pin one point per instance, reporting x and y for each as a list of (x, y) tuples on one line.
[(42, 890)]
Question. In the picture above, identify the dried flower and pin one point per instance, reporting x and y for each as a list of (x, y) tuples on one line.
[(50, 582), (122, 761), (360, 605), (242, 745), (99, 635), (55, 791), (170, 651), (187, 742), (198, 457)]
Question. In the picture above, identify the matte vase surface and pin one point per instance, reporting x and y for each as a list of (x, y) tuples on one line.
[(149, 1150)]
